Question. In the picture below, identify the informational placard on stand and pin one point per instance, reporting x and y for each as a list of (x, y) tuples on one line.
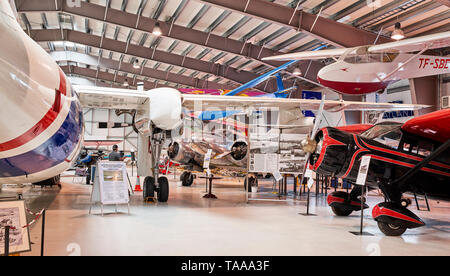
[(207, 160), (309, 175), (361, 180), (363, 170), (110, 184)]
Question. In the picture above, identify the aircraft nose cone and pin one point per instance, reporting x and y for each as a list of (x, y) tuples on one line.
[(309, 145)]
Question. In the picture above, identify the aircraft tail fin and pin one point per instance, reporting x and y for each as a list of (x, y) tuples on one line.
[(280, 84)]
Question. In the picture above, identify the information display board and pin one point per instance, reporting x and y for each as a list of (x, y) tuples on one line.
[(280, 155), (363, 170), (110, 184)]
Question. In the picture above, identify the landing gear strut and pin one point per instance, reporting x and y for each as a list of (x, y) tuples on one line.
[(161, 187)]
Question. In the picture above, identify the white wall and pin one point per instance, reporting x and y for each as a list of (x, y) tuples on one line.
[(93, 116)]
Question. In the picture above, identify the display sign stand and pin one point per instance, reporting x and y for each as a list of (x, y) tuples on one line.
[(361, 180), (110, 186), (308, 174), (43, 233), (7, 228)]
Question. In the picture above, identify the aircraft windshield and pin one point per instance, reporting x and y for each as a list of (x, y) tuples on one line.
[(387, 134), (371, 58)]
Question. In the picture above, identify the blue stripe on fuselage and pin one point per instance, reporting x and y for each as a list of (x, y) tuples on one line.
[(51, 153)]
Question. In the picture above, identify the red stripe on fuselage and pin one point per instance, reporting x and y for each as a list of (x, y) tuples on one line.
[(361, 150), (327, 141), (408, 156), (42, 125), (404, 164)]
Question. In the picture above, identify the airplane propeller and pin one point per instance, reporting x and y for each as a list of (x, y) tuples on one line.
[(309, 145)]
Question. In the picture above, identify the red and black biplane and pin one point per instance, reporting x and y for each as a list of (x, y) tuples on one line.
[(412, 157)]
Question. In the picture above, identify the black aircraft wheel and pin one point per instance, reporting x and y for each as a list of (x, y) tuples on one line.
[(340, 212), (182, 176), (149, 187), (391, 230), (188, 179), (253, 182), (163, 193)]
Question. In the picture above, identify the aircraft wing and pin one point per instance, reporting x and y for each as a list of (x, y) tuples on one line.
[(433, 41), (110, 98), (190, 102), (309, 55), (113, 98)]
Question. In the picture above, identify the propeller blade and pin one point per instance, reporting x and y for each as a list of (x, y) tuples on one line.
[(313, 134), (319, 117)]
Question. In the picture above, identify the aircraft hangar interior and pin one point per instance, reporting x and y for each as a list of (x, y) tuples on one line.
[(224, 128)]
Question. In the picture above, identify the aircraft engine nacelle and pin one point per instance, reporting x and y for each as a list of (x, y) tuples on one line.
[(165, 108), (164, 111), (330, 154), (239, 152), (180, 153)]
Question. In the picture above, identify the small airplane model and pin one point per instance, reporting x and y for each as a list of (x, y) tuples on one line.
[(42, 124), (413, 157), (369, 69)]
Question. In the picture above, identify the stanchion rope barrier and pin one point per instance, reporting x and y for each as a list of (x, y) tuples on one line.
[(37, 216)]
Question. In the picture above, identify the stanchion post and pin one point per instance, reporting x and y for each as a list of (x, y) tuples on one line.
[(43, 233), (307, 203), (361, 181), (317, 185), (362, 210), (7, 228)]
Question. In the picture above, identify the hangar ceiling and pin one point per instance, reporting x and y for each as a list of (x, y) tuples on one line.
[(213, 43)]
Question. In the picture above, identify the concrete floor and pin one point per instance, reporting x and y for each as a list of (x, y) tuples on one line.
[(191, 225)]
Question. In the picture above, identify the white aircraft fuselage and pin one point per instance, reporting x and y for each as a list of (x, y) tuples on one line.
[(360, 74), (41, 120)]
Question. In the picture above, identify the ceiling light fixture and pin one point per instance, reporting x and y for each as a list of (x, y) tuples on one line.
[(125, 83), (157, 30), (136, 64), (297, 72), (398, 33)]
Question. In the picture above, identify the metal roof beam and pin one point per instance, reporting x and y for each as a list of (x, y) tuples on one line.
[(349, 10), (387, 10), (324, 5), (146, 53), (128, 68), (328, 30), (411, 13), (145, 24), (116, 79), (427, 22), (444, 2)]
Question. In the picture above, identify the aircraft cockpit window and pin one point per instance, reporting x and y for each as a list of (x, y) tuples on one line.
[(406, 147), (389, 57), (387, 134), (418, 147), (371, 58), (425, 149)]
